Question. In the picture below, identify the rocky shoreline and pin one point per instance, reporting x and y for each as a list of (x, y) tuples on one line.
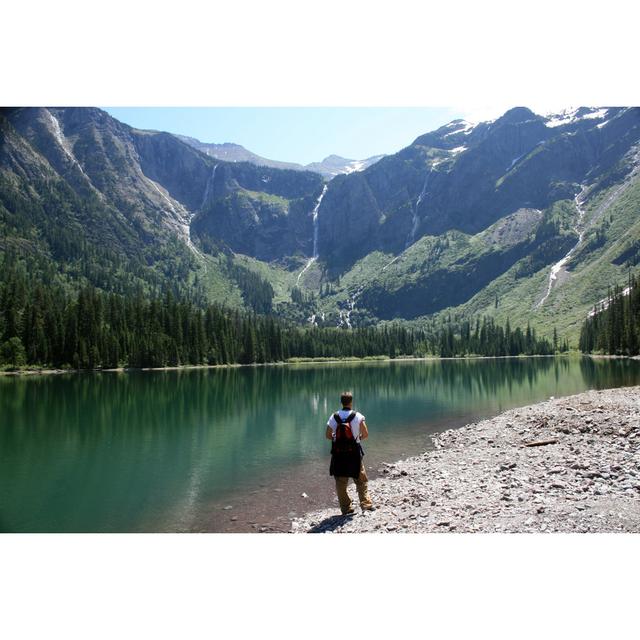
[(565, 465)]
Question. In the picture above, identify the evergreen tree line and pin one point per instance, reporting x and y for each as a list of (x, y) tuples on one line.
[(51, 325), (615, 329), (45, 325), (490, 339)]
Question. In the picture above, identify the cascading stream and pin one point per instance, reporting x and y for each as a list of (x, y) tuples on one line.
[(579, 229), (314, 215), (315, 222), (411, 238), (344, 318), (415, 221), (208, 191)]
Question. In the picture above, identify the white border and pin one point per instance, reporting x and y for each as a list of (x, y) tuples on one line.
[(486, 56), (405, 586), (489, 54)]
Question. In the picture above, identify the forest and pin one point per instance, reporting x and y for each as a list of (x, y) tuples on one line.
[(614, 327), (50, 325)]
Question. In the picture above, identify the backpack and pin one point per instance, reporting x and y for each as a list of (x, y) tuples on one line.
[(346, 452)]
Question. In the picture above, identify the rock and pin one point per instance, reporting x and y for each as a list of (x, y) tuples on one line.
[(304, 495), (227, 507)]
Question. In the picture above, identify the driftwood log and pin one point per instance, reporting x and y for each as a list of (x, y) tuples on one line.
[(540, 443)]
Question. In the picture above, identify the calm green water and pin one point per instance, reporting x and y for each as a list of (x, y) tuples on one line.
[(165, 451)]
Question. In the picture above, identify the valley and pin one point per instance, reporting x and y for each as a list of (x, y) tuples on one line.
[(527, 219)]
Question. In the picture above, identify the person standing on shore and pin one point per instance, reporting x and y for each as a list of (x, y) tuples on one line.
[(346, 428)]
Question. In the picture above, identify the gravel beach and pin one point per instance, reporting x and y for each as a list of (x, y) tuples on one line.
[(565, 465)]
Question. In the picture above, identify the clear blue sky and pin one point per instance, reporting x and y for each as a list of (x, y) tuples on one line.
[(296, 134)]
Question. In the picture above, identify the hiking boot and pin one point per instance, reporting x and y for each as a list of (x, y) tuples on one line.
[(371, 508), (349, 512)]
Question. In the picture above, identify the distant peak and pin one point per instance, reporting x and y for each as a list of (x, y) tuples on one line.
[(517, 115), (336, 158)]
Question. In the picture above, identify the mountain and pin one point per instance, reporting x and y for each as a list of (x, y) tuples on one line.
[(230, 152), (104, 203), (330, 167), (466, 177), (526, 218), (333, 165), (470, 213)]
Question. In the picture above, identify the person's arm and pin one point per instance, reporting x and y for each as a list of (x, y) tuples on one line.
[(364, 432), (331, 425)]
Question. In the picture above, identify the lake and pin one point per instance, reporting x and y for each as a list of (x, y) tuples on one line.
[(234, 449)]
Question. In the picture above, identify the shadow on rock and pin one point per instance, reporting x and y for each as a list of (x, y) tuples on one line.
[(330, 524)]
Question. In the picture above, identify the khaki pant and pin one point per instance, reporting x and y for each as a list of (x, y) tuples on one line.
[(361, 486)]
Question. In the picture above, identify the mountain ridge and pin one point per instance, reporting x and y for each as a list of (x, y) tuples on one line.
[(469, 218), (329, 167)]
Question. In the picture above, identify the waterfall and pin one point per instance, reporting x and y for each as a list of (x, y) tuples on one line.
[(314, 215), (578, 228), (415, 221), (315, 222), (208, 191), (344, 315), (411, 238)]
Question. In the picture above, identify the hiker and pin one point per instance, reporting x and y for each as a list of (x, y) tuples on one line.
[(345, 429)]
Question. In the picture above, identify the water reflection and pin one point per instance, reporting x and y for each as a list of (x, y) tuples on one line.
[(130, 451)]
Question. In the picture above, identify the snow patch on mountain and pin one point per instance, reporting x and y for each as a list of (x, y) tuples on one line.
[(356, 165), (333, 166), (514, 161), (600, 113), (570, 116), (603, 304), (463, 127)]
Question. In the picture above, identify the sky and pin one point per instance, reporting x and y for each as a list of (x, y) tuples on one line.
[(297, 134)]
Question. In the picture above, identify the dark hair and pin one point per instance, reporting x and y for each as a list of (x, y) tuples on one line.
[(346, 397)]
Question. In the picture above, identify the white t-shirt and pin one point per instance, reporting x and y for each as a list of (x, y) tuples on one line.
[(355, 423)]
